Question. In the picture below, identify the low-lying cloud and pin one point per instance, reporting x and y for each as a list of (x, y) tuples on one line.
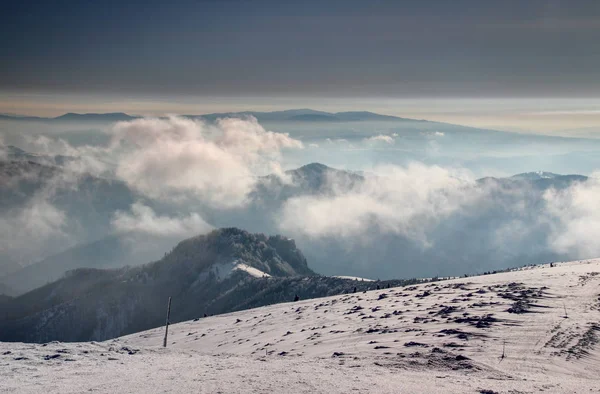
[(381, 138), (178, 161), (178, 158), (142, 219), (406, 201), (575, 215), (191, 174), (29, 233)]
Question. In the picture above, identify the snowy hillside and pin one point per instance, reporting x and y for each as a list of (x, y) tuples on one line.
[(531, 330)]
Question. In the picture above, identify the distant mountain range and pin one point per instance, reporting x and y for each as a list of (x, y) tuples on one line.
[(109, 252), (304, 115), (294, 115), (536, 175), (72, 117), (542, 180)]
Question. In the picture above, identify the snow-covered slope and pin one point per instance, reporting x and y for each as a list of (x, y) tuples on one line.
[(354, 278), (251, 270), (223, 270), (531, 330)]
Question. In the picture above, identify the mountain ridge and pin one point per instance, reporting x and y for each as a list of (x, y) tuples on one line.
[(203, 268), (297, 115)]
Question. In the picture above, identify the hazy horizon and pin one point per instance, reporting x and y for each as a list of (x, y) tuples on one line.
[(550, 116), (511, 65)]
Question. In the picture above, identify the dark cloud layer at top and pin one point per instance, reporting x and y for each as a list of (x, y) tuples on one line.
[(335, 48)]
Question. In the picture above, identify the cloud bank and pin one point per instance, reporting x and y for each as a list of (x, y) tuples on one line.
[(407, 201), (27, 234), (575, 215), (182, 158), (184, 176), (143, 219), (174, 162)]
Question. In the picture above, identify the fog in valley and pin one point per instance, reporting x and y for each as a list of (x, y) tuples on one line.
[(361, 194)]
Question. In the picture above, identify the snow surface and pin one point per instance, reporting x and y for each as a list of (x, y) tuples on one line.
[(251, 271), (441, 337), (223, 270), (354, 278)]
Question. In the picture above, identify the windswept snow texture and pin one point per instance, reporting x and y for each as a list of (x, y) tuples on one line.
[(526, 331)]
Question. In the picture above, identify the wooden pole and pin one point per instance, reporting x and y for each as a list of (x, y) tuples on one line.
[(167, 324)]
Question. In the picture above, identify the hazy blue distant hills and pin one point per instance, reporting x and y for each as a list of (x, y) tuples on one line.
[(91, 117), (6, 291), (542, 180), (274, 116), (303, 115), (22, 118), (545, 180), (365, 115), (109, 252), (74, 117), (313, 118), (293, 115), (536, 175)]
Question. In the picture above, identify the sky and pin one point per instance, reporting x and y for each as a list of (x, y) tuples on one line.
[(521, 65)]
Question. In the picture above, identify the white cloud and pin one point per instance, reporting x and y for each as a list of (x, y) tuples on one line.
[(41, 219), (142, 219), (432, 134), (380, 138), (177, 157), (27, 234), (575, 215), (171, 159), (407, 201)]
